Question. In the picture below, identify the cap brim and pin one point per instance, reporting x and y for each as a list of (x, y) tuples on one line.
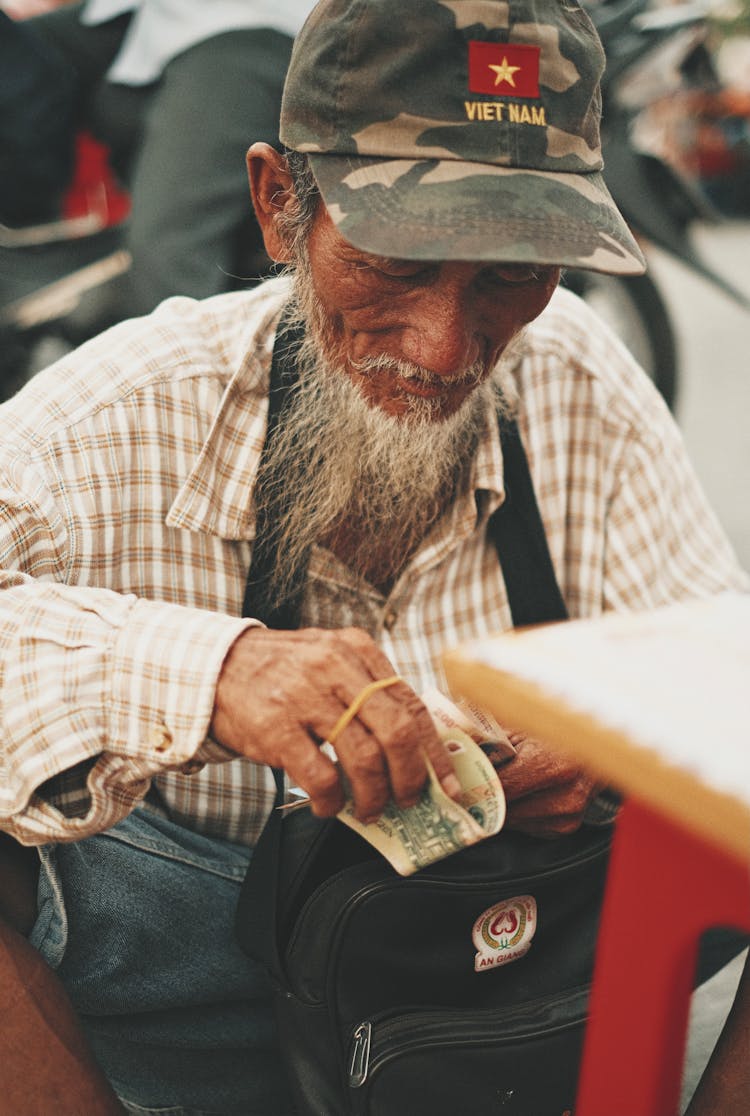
[(449, 209)]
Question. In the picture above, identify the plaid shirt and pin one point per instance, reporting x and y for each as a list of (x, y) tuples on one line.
[(126, 480)]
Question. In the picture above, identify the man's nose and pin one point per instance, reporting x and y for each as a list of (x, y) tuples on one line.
[(441, 333)]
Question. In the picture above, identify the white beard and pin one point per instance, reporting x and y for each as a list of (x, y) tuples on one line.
[(383, 480)]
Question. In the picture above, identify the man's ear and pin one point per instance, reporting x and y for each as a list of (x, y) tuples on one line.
[(272, 192)]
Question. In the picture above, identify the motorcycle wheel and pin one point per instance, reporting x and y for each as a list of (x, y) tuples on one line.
[(634, 308)]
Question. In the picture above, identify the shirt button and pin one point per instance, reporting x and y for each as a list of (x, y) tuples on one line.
[(192, 767), (161, 738), (390, 618)]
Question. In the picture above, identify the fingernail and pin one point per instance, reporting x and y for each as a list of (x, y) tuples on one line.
[(409, 802), (451, 786)]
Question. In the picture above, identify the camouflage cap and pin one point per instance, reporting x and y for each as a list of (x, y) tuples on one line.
[(458, 129)]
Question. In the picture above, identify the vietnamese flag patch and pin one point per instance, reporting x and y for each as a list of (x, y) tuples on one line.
[(504, 69)]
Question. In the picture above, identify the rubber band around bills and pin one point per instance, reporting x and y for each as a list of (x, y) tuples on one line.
[(349, 714), (346, 717)]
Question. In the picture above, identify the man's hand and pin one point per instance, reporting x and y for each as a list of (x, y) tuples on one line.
[(280, 693), (546, 793)]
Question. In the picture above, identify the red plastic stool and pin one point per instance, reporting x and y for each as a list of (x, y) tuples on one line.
[(666, 887)]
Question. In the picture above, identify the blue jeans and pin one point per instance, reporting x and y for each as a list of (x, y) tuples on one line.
[(138, 923)]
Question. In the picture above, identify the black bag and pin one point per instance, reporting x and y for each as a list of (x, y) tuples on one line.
[(416, 996), (379, 1007)]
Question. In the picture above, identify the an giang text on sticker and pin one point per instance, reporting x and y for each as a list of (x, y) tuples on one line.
[(504, 932)]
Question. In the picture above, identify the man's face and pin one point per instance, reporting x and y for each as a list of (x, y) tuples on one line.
[(409, 331)]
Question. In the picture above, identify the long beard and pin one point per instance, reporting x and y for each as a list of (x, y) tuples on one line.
[(343, 473)]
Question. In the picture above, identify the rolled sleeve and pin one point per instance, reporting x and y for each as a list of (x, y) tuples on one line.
[(162, 679), (106, 690)]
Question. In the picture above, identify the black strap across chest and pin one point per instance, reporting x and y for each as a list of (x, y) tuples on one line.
[(515, 527)]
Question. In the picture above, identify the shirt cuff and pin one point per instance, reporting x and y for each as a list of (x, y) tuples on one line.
[(164, 667)]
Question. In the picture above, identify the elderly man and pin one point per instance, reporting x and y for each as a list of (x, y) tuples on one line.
[(443, 166)]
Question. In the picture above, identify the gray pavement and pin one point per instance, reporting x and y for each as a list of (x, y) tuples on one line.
[(713, 411), (708, 1012)]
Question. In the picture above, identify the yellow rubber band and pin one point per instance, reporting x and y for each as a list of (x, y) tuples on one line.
[(350, 713)]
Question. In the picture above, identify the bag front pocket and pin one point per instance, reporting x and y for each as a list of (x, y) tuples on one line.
[(520, 1062)]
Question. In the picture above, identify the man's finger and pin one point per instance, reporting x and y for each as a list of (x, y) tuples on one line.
[(401, 723), (536, 768), (319, 778), (364, 767), (552, 812)]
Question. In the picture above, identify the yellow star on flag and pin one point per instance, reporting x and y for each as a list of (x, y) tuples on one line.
[(504, 72)]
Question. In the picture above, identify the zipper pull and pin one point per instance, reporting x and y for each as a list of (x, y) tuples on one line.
[(360, 1057)]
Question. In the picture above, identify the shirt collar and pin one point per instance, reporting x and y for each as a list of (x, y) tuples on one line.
[(487, 475), (215, 497)]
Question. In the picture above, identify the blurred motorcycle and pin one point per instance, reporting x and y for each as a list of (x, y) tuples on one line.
[(650, 53), (63, 257), (56, 276)]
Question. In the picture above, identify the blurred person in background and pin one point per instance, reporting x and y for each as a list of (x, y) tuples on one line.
[(173, 88)]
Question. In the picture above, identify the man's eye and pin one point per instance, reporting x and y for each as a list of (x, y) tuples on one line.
[(517, 274), (395, 269), (402, 271)]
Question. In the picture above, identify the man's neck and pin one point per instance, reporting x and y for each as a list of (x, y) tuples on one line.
[(377, 560), (380, 556)]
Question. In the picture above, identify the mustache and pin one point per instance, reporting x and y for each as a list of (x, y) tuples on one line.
[(407, 370)]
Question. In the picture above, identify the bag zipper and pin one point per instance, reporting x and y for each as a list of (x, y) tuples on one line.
[(359, 1062), (376, 1042)]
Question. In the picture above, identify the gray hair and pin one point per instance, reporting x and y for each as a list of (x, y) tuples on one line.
[(294, 224)]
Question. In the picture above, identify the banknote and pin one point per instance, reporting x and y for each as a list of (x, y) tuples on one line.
[(437, 825), (477, 723)]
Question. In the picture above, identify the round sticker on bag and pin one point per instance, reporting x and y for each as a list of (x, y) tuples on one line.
[(504, 932)]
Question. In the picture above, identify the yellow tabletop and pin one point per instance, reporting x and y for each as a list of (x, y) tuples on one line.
[(657, 704)]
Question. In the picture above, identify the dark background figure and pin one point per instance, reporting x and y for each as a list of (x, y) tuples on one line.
[(36, 122), (173, 90)]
